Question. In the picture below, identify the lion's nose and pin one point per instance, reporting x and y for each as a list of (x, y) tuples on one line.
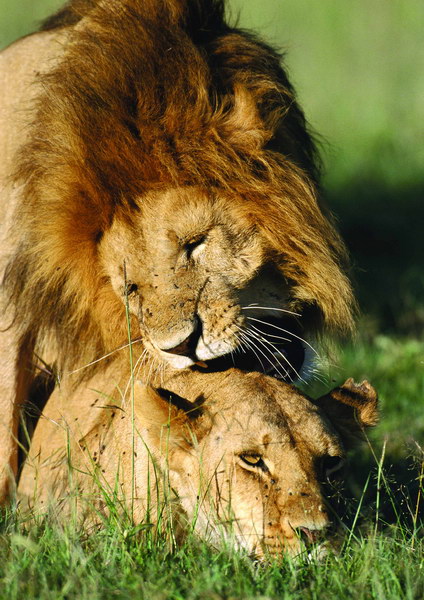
[(188, 346)]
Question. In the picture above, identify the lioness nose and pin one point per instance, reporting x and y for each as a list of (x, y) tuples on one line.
[(188, 346), (311, 536)]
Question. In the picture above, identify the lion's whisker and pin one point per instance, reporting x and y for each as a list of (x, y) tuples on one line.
[(315, 374), (278, 351), (242, 346), (105, 356), (250, 346), (286, 373), (140, 362), (246, 332), (277, 337), (162, 368), (151, 370), (136, 366), (283, 356), (285, 331), (284, 310)]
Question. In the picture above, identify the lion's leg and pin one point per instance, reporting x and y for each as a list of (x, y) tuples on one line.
[(20, 66), (15, 379)]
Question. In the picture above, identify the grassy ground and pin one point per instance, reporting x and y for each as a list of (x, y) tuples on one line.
[(358, 68), (58, 565)]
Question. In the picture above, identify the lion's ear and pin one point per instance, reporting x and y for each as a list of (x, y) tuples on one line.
[(166, 416), (351, 407), (242, 124)]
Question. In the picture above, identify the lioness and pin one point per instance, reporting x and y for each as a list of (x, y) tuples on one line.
[(245, 460), (158, 186)]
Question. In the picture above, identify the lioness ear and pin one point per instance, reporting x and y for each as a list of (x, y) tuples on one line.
[(351, 408), (166, 416)]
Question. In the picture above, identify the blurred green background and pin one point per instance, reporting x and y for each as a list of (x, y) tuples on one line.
[(359, 71)]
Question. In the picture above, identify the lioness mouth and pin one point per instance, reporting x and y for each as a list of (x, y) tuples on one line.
[(272, 346)]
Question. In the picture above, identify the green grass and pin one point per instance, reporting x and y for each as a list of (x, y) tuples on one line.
[(356, 67), (383, 543), (55, 565)]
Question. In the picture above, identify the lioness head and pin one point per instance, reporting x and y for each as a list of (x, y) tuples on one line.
[(253, 468), (245, 461)]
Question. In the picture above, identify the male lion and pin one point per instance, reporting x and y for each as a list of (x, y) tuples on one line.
[(245, 460), (158, 184)]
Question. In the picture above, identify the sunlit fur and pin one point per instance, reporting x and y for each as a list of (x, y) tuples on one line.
[(153, 96), (188, 464)]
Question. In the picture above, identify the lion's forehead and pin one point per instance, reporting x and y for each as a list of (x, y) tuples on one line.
[(169, 219)]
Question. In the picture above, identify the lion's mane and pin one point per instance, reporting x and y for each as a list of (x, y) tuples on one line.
[(152, 94)]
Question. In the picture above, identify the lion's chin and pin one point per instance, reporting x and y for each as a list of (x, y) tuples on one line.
[(177, 361)]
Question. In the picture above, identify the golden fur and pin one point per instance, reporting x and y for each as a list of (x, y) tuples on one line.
[(200, 468), (167, 170)]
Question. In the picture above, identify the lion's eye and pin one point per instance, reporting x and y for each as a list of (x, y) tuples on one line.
[(194, 243), (130, 288), (254, 460)]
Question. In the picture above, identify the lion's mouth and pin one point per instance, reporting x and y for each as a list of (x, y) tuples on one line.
[(273, 346)]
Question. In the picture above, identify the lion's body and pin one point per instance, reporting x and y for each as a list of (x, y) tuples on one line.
[(155, 160), (190, 457), (20, 67)]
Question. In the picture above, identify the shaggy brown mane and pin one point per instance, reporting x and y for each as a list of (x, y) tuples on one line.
[(152, 94)]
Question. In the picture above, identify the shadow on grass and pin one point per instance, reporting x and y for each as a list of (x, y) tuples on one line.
[(391, 496), (383, 228)]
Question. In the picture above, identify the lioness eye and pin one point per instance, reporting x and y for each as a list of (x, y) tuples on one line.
[(191, 246), (254, 460)]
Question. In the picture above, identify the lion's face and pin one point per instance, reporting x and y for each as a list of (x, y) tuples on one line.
[(200, 281)]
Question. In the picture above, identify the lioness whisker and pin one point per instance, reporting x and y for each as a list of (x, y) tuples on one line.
[(285, 331), (284, 310)]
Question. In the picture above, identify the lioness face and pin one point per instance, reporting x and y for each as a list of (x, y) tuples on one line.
[(201, 285), (243, 462), (252, 469), (257, 474)]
